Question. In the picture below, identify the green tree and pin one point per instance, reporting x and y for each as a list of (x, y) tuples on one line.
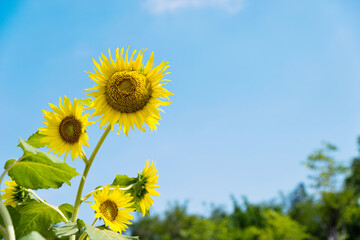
[(250, 222), (336, 202)]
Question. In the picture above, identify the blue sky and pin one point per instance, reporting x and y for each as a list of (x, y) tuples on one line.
[(258, 86)]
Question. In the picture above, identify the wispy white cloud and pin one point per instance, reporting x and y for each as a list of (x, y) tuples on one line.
[(161, 6)]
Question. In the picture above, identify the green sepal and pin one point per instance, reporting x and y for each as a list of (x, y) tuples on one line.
[(35, 140), (67, 229), (33, 236), (86, 101), (138, 208), (36, 216), (101, 234), (123, 181), (39, 169), (137, 192)]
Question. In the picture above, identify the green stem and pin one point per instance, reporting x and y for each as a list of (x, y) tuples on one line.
[(10, 167), (84, 158), (83, 178), (48, 204), (3, 231), (8, 223), (10, 233), (84, 234)]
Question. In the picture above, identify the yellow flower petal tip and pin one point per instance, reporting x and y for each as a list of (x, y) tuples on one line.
[(127, 92), (65, 128), (113, 206), (148, 181)]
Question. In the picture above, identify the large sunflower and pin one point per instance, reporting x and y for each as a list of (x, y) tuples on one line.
[(66, 128), (113, 207), (14, 194), (146, 188), (127, 92)]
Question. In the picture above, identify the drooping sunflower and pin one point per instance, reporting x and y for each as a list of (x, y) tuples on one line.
[(65, 129), (14, 194), (145, 188), (113, 206), (127, 92)]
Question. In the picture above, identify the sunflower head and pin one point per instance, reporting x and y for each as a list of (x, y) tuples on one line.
[(14, 194), (113, 206), (127, 92), (65, 129), (145, 188)]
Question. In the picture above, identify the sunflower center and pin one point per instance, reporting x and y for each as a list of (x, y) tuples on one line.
[(70, 129), (128, 91), (109, 210)]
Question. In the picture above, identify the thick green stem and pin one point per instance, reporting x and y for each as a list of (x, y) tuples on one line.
[(10, 233), (83, 178)]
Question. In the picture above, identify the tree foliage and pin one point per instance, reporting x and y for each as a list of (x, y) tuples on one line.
[(330, 212)]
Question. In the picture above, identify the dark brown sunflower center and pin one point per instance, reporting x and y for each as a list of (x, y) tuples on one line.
[(109, 210), (128, 91), (70, 129)]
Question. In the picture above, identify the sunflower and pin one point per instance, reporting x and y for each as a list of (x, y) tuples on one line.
[(14, 194), (146, 188), (113, 207), (128, 93), (66, 128)]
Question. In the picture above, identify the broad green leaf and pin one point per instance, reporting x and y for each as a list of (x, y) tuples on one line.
[(39, 169), (67, 229), (86, 101), (33, 236), (123, 181), (30, 150), (67, 210), (9, 162), (36, 216), (34, 140), (101, 234)]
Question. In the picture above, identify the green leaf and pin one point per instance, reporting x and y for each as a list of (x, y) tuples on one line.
[(33, 236), (100, 234), (40, 170), (123, 181), (86, 101), (15, 217), (14, 214), (36, 216), (80, 223), (30, 150), (67, 229), (67, 210), (34, 140)]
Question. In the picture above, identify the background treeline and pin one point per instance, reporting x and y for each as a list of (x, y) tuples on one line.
[(326, 209)]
